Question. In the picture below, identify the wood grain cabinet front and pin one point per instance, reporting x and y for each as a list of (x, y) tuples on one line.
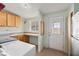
[(8, 19), (23, 38), (18, 21), (11, 20), (2, 18)]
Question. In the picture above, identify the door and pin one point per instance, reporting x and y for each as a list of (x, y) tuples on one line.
[(56, 28)]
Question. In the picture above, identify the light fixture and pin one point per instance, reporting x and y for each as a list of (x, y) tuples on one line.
[(1, 6), (25, 5)]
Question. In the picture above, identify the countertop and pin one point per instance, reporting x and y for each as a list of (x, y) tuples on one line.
[(25, 33)]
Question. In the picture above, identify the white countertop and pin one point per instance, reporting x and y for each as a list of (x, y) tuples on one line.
[(25, 33)]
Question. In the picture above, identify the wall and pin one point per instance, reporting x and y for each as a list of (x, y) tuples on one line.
[(76, 7), (27, 24), (51, 16)]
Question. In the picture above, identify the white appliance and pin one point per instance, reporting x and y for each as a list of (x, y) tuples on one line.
[(75, 34)]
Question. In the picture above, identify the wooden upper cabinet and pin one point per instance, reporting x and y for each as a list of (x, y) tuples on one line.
[(18, 21), (2, 19), (11, 21)]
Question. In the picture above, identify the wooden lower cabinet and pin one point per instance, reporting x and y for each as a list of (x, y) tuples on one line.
[(23, 38)]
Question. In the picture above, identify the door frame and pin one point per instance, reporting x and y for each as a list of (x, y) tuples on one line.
[(69, 48)]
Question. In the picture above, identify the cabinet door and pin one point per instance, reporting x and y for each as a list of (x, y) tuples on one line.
[(23, 38), (2, 18), (18, 21), (11, 21)]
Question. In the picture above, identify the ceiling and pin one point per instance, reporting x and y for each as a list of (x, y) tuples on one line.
[(31, 9), (51, 7)]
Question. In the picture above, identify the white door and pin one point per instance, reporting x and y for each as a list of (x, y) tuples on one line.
[(75, 34), (56, 33)]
